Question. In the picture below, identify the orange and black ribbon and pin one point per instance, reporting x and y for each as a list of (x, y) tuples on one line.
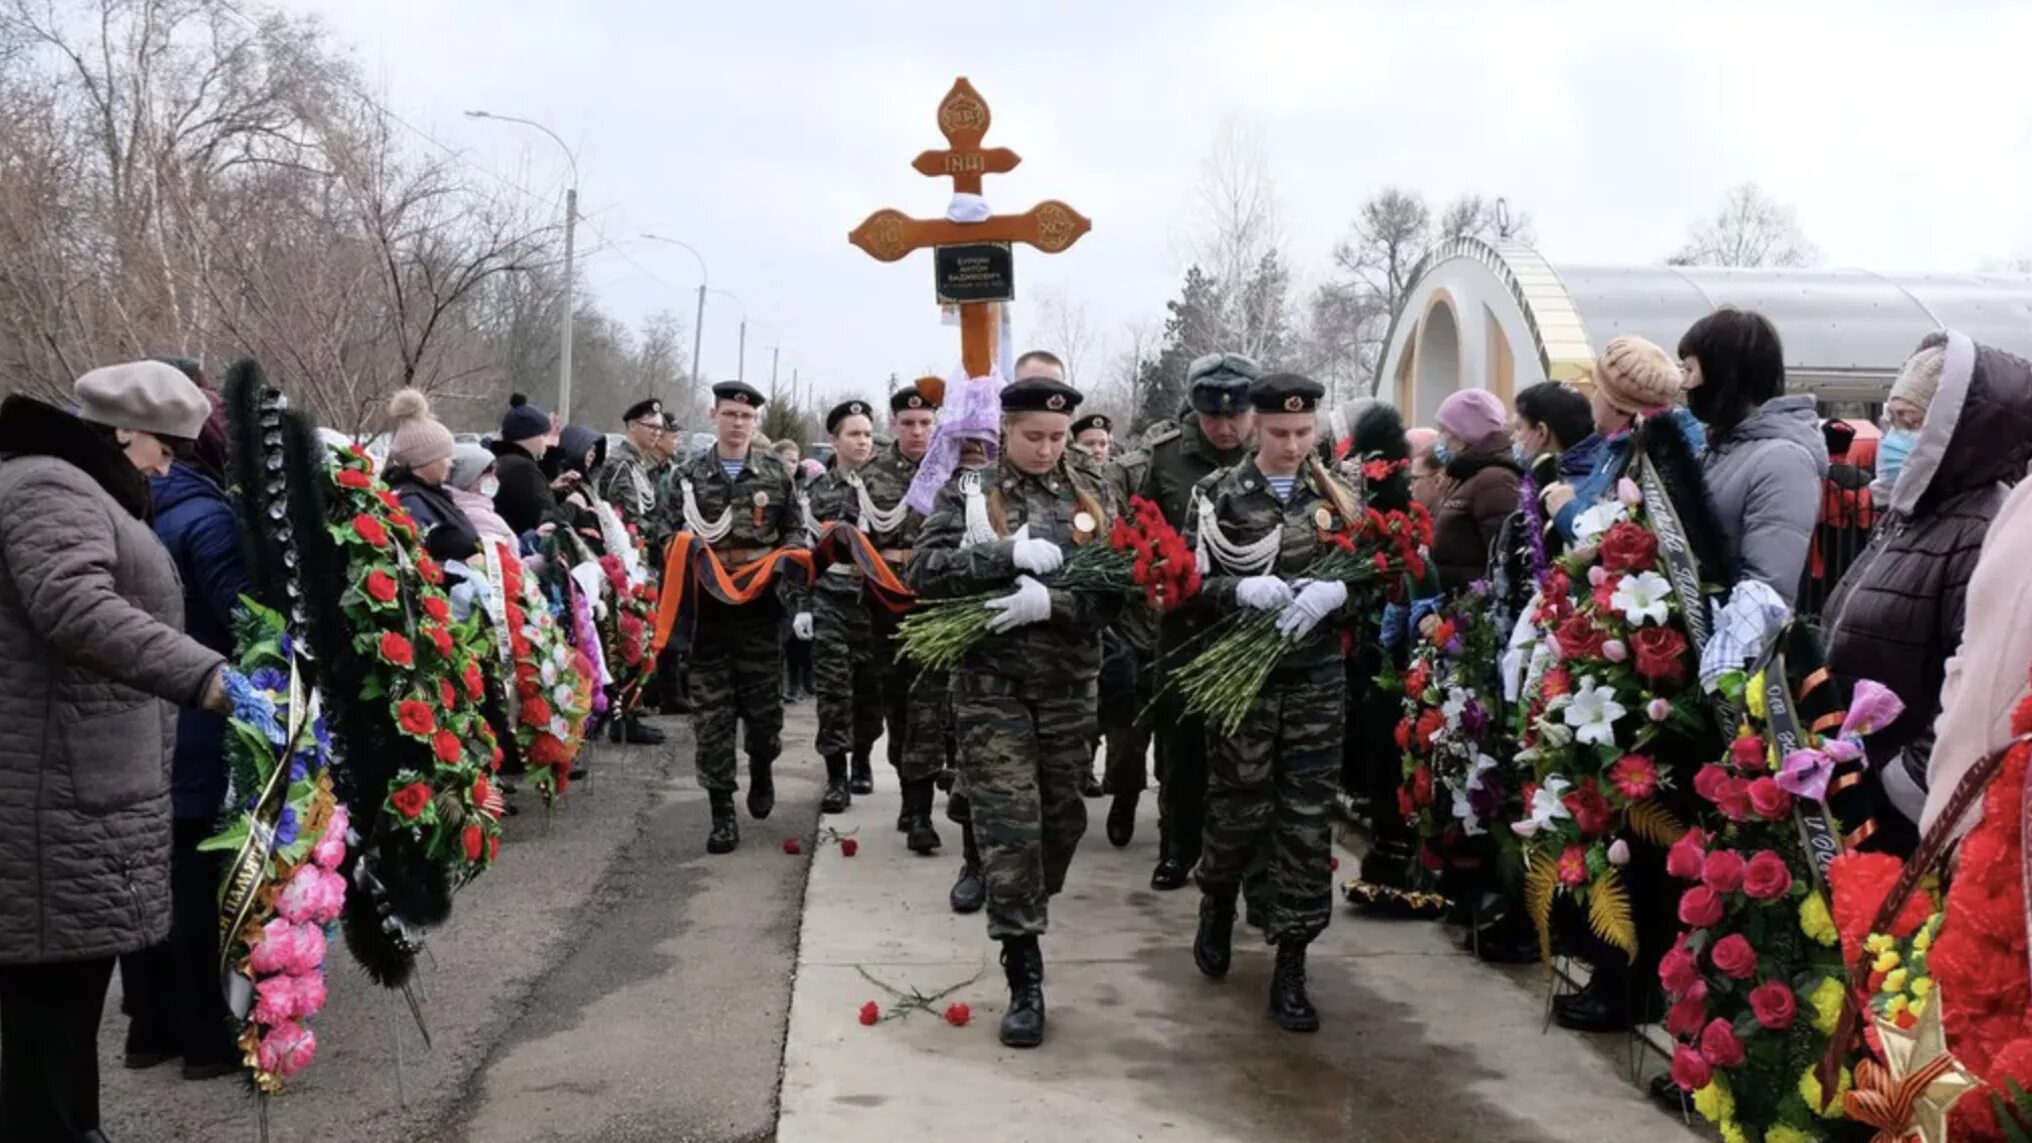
[(840, 542), (689, 559)]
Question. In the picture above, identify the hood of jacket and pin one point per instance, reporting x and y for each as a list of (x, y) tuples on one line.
[(579, 449), (183, 485), (1978, 429), (1792, 419)]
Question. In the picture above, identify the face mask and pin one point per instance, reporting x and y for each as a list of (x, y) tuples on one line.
[(489, 487), (1441, 455), (1520, 454), (1892, 451)]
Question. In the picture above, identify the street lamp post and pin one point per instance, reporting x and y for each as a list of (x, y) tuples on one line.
[(571, 215), (698, 325), (741, 361)]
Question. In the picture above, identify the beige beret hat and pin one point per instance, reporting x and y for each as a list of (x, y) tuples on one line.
[(1638, 377), (145, 395)]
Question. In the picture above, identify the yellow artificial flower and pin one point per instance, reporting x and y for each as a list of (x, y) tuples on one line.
[(1827, 1000), (1898, 1004), (1918, 1008), (1786, 1133), (1733, 1133), (1754, 697), (1877, 942), (1894, 981), (1921, 986), (1924, 940), (1816, 922), (1714, 1102), (1809, 1090), (1886, 961)]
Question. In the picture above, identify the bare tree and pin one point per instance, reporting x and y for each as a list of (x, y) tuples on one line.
[(1751, 230), (1064, 327), (1238, 243)]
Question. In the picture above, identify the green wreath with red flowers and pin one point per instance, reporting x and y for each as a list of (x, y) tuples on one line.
[(552, 687)]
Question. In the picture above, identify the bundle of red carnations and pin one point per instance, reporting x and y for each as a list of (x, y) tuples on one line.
[(1223, 680), (1455, 786), (1143, 555), (1611, 673), (553, 698)]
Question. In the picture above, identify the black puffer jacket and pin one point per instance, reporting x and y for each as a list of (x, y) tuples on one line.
[(1898, 613)]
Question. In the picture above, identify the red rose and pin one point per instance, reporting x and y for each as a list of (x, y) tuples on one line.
[(1628, 547), (791, 847), (1690, 1070), (1747, 753), (536, 712), (395, 649), (1734, 801), (447, 694), (1733, 956), (1723, 871), (410, 800), (476, 683), (1591, 812), (1686, 859), (1770, 801), (369, 529), (1635, 777), (494, 762), (436, 607), (1709, 781), (1579, 639), (380, 586), (1660, 653), (474, 838), (1767, 878), (1685, 1018), (1678, 971), (439, 638), (1700, 907), (1421, 787), (1718, 1043), (1774, 1005), (446, 746), (415, 717), (1416, 680), (354, 478)]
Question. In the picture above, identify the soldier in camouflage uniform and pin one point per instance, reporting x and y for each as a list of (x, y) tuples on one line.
[(1271, 783), (626, 479), (1023, 700), (1176, 456), (739, 499), (913, 700), (847, 665)]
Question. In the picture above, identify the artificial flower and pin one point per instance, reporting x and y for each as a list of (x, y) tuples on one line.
[(1546, 807), (870, 1012), (1591, 523), (1628, 547), (1690, 1070), (447, 695), (1770, 801), (473, 838), (1658, 710), (287, 1049), (446, 746), (1579, 638), (1642, 598), (354, 478), (1688, 1015), (411, 800), (1619, 852), (1720, 1044), (330, 849), (1615, 650), (1593, 713), (1678, 970), (415, 718), (1573, 866), (1809, 1083), (1661, 656), (958, 1015), (436, 607), (476, 684), (1715, 1102), (396, 649), (1687, 859), (1747, 752), (1767, 877), (1826, 999), (1635, 777), (369, 529), (379, 586), (1774, 1005), (1815, 921), (1627, 492), (1723, 871), (1700, 907), (1733, 956)]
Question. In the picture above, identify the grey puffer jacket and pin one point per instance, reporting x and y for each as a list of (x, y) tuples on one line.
[(91, 612), (1763, 479)]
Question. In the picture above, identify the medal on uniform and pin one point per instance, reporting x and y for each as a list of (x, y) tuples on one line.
[(761, 503), (1323, 518), (1082, 525)]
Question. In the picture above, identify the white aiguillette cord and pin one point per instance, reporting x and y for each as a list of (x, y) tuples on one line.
[(979, 531), (711, 533), (1236, 559), (878, 521)]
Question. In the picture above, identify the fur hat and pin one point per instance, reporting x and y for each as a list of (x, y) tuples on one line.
[(1636, 376), (418, 438), (148, 396), (1919, 378)]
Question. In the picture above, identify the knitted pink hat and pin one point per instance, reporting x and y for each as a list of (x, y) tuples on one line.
[(1472, 415), (418, 438)]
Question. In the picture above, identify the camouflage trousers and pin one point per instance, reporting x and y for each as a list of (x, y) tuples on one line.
[(849, 664), (736, 678), (1022, 753), (1269, 789), (919, 711)]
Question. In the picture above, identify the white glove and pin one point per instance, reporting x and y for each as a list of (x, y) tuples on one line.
[(1314, 602), (800, 625), (1263, 593), (1040, 557), (1029, 603)]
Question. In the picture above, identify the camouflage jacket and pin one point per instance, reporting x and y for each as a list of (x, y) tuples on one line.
[(1248, 510), (1063, 650), (833, 497), (627, 481), (1174, 457), (761, 507), (888, 475)]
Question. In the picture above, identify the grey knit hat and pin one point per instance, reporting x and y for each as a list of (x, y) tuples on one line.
[(148, 396)]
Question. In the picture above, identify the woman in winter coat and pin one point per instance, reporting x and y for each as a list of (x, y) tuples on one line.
[(91, 650), (472, 487), (1898, 615), (525, 498), (1765, 454), (419, 462), (1479, 491), (1632, 378)]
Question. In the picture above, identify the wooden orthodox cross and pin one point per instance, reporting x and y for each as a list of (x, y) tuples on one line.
[(1050, 226)]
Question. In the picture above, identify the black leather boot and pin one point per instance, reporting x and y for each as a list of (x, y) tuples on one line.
[(969, 891), (725, 834), (1214, 945), (836, 799), (761, 788), (917, 796), (1289, 1006), (946, 778), (1602, 1005), (1122, 819), (1172, 871), (862, 778), (1023, 964)]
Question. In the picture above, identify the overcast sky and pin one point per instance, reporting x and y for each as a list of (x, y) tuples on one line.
[(762, 131)]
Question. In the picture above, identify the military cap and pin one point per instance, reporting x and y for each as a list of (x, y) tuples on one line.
[(1218, 383), (670, 422), (1286, 393), (740, 392), (643, 410), (842, 411), (1093, 421), (1039, 395), (910, 398)]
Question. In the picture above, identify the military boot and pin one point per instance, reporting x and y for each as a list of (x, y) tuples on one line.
[(836, 799), (761, 788), (1122, 819), (1172, 871), (725, 834), (917, 796), (1289, 1006), (969, 891), (863, 780), (1023, 964), (1213, 946)]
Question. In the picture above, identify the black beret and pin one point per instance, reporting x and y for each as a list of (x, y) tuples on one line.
[(1286, 393), (739, 391), (842, 411), (641, 410), (1093, 421), (1039, 395), (670, 422), (910, 398)]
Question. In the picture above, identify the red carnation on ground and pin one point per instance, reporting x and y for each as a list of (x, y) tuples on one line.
[(415, 718), (1627, 547), (849, 847), (395, 649), (369, 529), (870, 1012), (410, 800), (790, 846), (474, 838), (958, 1015), (446, 746), (354, 478)]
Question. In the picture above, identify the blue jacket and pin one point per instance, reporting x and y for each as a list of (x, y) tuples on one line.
[(1609, 459), (195, 522)]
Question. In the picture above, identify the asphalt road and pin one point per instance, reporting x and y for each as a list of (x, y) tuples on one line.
[(607, 980)]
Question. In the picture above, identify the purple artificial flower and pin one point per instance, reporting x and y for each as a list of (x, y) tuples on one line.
[(1473, 718), (1486, 800), (270, 679), (285, 828)]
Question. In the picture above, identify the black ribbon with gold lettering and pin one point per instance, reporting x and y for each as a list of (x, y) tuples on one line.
[(1684, 571)]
